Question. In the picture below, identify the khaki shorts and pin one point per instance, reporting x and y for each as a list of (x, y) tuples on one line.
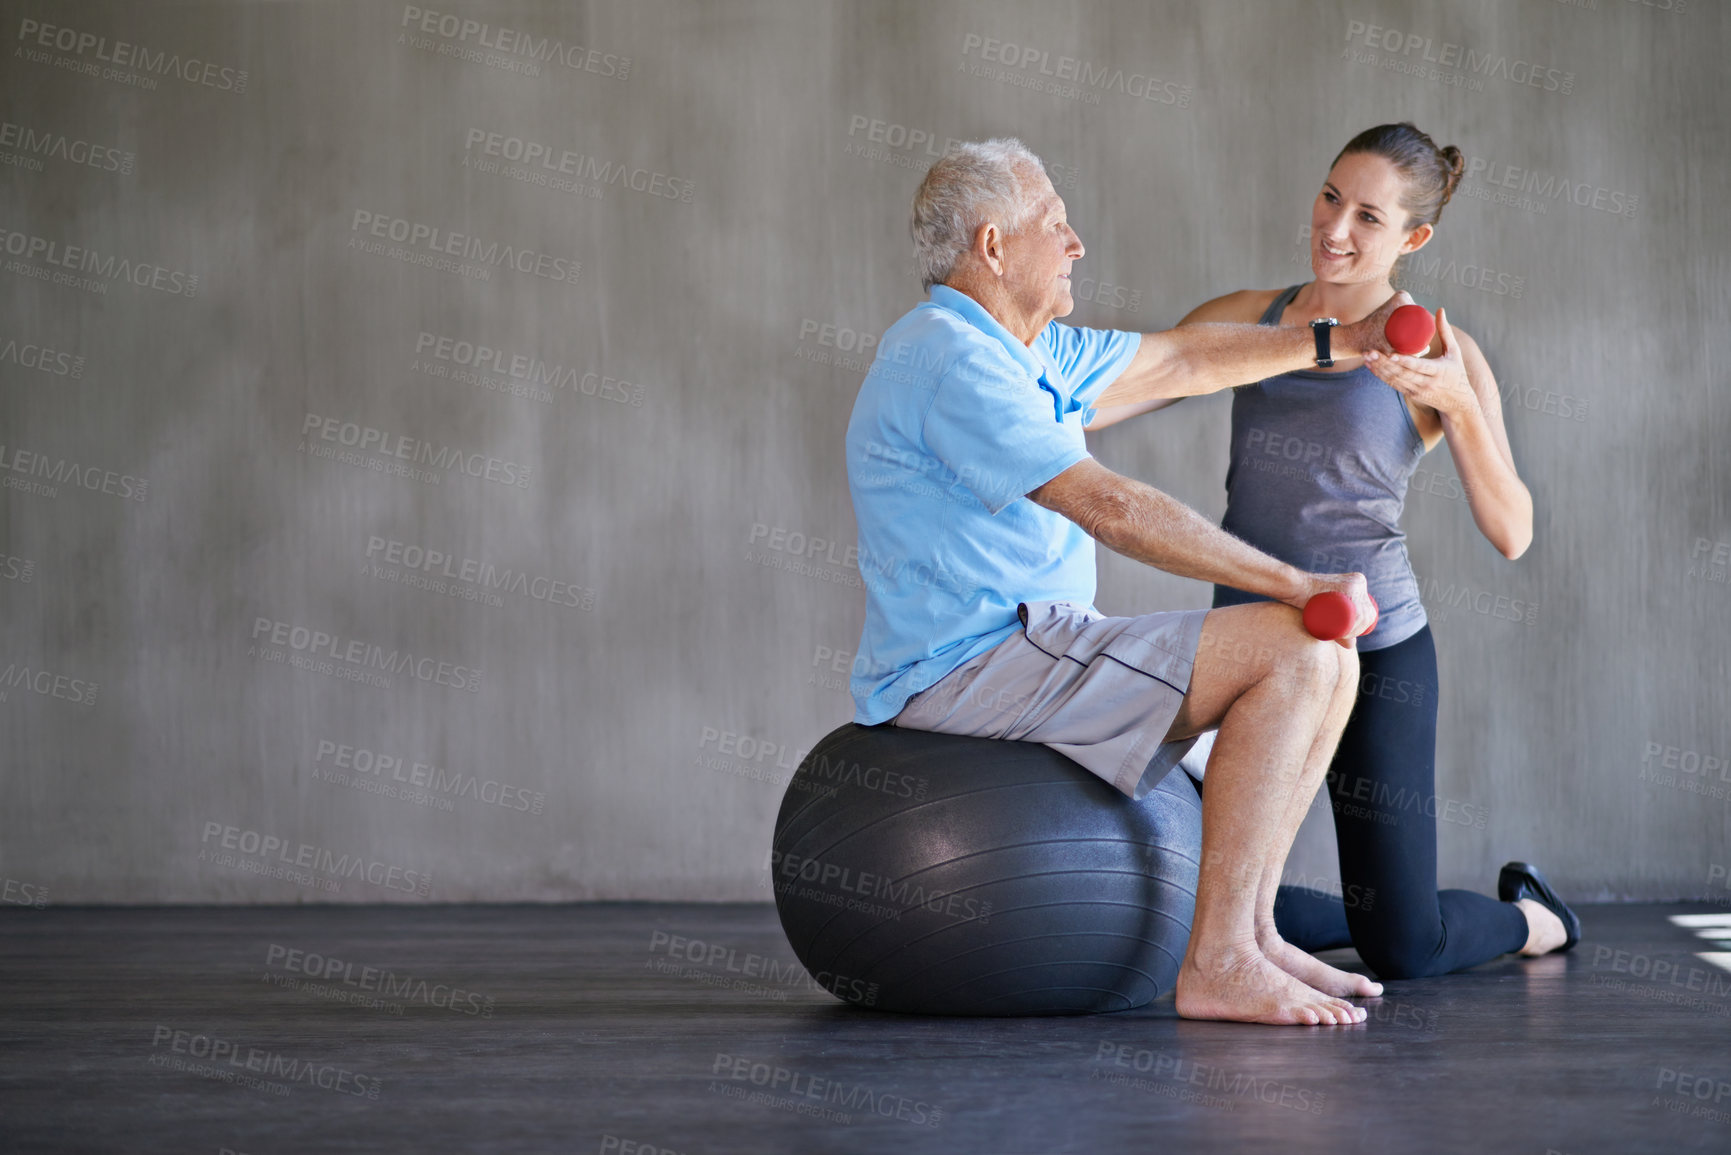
[(1101, 691)]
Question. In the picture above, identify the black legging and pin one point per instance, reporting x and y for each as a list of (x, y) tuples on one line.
[(1382, 785)]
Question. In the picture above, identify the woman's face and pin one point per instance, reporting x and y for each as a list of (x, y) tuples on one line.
[(1357, 224)]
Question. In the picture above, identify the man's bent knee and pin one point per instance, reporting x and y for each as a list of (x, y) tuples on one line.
[(1322, 667), (1243, 647), (1242, 644)]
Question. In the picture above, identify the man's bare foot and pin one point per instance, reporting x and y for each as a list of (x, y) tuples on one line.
[(1243, 986), (1545, 931), (1314, 973)]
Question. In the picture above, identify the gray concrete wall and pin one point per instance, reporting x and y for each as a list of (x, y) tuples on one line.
[(642, 497)]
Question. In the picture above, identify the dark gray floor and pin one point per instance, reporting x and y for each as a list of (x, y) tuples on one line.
[(604, 1029)]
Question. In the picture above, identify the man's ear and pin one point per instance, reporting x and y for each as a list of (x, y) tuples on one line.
[(1419, 239), (988, 246)]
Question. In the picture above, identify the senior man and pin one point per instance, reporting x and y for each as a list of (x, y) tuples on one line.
[(976, 500)]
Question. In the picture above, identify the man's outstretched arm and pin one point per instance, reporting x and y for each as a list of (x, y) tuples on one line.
[(1207, 357), (1148, 526)]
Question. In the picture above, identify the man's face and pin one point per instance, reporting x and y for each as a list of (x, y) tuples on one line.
[(1037, 257)]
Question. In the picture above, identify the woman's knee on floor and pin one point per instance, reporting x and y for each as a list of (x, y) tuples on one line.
[(1394, 951)]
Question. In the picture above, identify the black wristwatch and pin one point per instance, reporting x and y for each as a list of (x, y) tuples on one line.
[(1323, 327)]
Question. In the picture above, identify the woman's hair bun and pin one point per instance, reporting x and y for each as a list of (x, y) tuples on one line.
[(1454, 165)]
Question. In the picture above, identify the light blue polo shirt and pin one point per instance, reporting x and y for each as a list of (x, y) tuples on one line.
[(955, 423)]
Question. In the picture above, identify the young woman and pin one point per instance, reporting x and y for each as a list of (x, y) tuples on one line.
[(1320, 464)]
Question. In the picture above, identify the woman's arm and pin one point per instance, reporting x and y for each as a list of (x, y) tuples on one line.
[(1459, 386)]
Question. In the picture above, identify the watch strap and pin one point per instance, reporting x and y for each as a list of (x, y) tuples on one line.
[(1323, 329)]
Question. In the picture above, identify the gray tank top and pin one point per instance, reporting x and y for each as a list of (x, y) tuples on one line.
[(1320, 465)]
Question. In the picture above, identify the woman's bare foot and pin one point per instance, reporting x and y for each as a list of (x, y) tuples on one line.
[(1545, 931), (1313, 972), (1243, 986)]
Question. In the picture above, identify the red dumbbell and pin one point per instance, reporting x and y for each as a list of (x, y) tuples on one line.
[(1410, 329), (1328, 616)]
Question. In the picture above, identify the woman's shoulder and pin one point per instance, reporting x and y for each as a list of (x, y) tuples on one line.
[(1244, 307)]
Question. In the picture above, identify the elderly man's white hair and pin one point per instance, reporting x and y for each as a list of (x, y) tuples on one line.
[(978, 181)]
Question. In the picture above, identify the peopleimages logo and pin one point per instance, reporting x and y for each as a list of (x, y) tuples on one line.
[(46, 683), (347, 764), (481, 576), (1413, 48), (34, 35), (306, 855), (32, 143), (751, 965), (35, 250), (1084, 77), (552, 161), (377, 980), (444, 243), (834, 880), (358, 655), (521, 367), (42, 358), (18, 893), (780, 548), (461, 31), (366, 439), (1529, 187), (1710, 561), (814, 1095), (1428, 274), (210, 1050), (57, 471)]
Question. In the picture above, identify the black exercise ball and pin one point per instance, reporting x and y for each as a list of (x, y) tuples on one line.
[(933, 874)]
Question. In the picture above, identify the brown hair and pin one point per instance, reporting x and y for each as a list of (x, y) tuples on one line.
[(1431, 173)]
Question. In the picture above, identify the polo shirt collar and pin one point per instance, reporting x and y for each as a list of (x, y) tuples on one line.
[(975, 314)]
